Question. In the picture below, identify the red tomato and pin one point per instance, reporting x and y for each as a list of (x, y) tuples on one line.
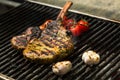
[(69, 23), (83, 22), (81, 27), (75, 31)]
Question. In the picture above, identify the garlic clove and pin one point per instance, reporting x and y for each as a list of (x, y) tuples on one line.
[(91, 57), (61, 68)]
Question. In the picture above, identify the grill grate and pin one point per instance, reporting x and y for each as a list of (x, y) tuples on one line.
[(103, 37)]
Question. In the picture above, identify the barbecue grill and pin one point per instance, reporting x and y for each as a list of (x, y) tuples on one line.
[(103, 37)]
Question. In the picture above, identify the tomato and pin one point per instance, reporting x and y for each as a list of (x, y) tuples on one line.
[(83, 25), (83, 28), (79, 28), (75, 31), (76, 28), (69, 23), (83, 22)]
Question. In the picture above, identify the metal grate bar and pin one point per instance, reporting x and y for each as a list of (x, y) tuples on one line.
[(111, 71), (116, 75)]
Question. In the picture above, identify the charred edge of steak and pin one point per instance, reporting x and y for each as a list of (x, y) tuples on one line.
[(47, 55), (36, 32), (21, 41)]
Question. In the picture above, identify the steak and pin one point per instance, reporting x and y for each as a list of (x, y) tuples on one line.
[(47, 43), (21, 41), (54, 44)]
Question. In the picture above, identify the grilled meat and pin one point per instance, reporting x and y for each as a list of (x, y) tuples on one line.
[(21, 41), (49, 42), (46, 43), (54, 44)]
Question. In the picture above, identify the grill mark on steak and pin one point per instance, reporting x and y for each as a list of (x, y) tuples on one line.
[(53, 25), (44, 52), (50, 51), (51, 31), (50, 41), (35, 52), (33, 32), (21, 40), (51, 36), (47, 43), (36, 32)]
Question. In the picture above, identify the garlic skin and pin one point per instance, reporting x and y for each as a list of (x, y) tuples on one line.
[(91, 57), (61, 68)]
